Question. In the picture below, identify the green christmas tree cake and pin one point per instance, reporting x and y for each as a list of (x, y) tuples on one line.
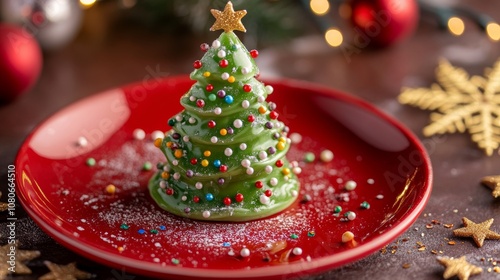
[(226, 150)]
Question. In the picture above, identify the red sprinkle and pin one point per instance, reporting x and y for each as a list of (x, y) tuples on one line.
[(279, 163), (194, 161), (200, 103), (223, 63), (273, 115), (268, 193), (196, 199), (247, 88), (209, 87), (211, 124), (197, 64), (259, 184), (254, 53), (251, 118), (223, 168), (227, 201), (239, 197), (204, 47), (169, 191)]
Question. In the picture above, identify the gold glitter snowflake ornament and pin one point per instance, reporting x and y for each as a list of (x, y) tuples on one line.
[(462, 103)]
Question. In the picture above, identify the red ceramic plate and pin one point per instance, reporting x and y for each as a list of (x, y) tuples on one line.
[(126, 230)]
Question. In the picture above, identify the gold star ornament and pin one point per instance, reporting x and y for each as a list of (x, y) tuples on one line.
[(493, 182), (458, 267), (64, 272), (12, 259), (228, 20), (479, 232), (461, 103)]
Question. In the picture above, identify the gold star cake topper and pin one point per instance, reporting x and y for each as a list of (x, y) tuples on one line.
[(66, 272), (458, 267), (21, 256), (493, 182), (479, 232), (228, 20), (462, 103)]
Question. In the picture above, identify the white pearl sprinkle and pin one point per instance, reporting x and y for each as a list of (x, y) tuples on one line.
[(269, 89), (228, 152), (192, 120), (192, 98), (163, 184), (297, 251), (245, 252), (184, 198), (273, 181), (216, 44), (245, 70), (246, 163), (351, 216), (82, 141), (175, 162), (166, 168), (206, 214), (214, 139), (156, 134), (225, 76), (295, 193), (238, 123), (297, 170), (185, 138), (370, 181), (261, 98), (264, 199), (217, 111), (221, 54), (198, 185), (243, 146), (177, 176), (245, 104), (262, 155), (250, 171), (296, 138), (269, 169), (326, 156), (350, 185), (138, 133), (178, 118)]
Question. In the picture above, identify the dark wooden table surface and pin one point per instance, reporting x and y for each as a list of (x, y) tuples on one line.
[(120, 56)]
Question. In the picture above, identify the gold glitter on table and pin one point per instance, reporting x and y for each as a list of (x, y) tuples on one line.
[(228, 20), (479, 232), (66, 272), (462, 103), (458, 267), (493, 182), (21, 256)]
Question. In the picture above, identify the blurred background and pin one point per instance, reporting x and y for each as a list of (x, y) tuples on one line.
[(55, 52)]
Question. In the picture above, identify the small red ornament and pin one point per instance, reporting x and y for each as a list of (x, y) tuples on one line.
[(169, 191), (251, 118), (20, 61), (279, 163), (196, 199), (209, 87), (223, 168), (254, 53), (273, 115), (247, 88), (380, 23), (200, 103), (268, 193), (259, 184), (223, 63), (194, 161), (197, 64), (227, 201), (211, 124), (204, 47), (239, 197)]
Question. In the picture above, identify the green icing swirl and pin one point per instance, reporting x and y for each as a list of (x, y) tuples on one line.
[(256, 180)]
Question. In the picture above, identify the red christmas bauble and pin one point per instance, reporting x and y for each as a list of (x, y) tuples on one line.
[(380, 23), (20, 61)]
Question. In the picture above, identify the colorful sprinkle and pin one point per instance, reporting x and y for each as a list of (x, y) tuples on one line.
[(200, 103), (197, 64), (309, 157), (223, 63), (259, 184), (124, 226), (294, 236), (251, 118), (154, 231), (139, 134), (211, 123), (226, 201), (311, 233), (231, 79), (90, 162), (204, 163), (141, 231), (245, 252), (228, 99), (175, 261), (204, 47), (264, 199), (347, 236), (111, 189), (365, 205), (221, 93), (350, 215), (162, 227), (254, 53), (147, 166), (326, 156), (337, 209), (239, 197), (226, 244), (206, 74), (223, 132), (350, 185), (212, 97), (247, 88), (297, 251)]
